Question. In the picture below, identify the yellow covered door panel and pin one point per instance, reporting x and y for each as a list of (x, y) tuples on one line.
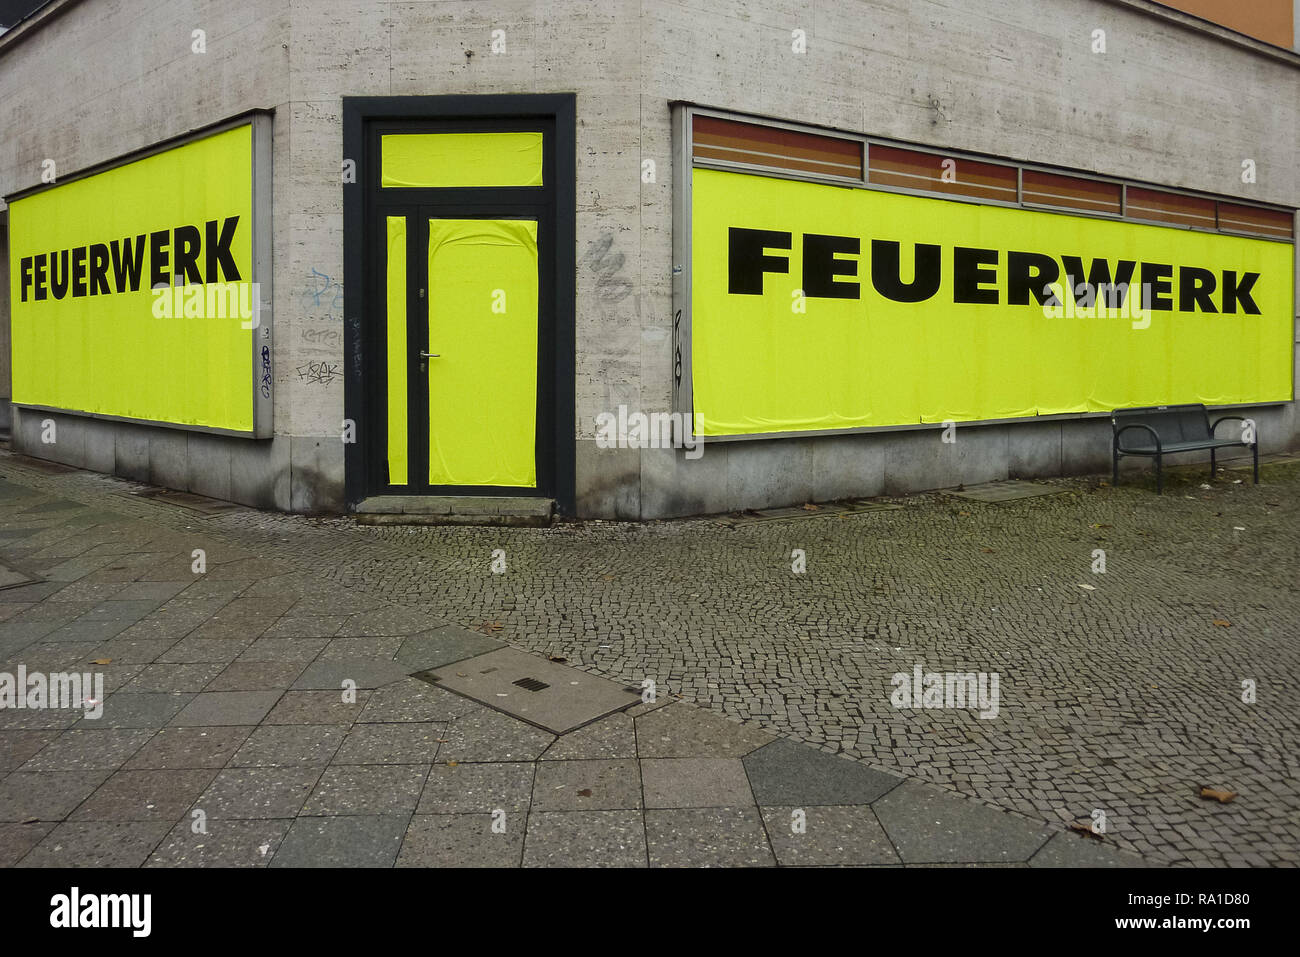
[(398, 358), (483, 328)]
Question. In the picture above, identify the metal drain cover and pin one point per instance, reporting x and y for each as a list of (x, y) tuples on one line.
[(551, 696)]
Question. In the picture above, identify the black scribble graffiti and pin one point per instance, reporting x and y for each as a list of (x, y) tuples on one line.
[(319, 373), (677, 349), (610, 286), (266, 372)]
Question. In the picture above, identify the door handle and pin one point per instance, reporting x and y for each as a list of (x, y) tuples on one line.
[(430, 355)]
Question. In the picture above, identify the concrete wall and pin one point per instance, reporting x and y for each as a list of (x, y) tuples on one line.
[(1012, 78)]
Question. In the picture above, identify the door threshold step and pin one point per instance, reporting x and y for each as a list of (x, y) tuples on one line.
[(513, 510)]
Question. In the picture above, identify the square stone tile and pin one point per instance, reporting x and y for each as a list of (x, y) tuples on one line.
[(97, 844), (477, 788), (585, 839), (929, 825), (462, 840), (318, 707), (90, 749), (591, 785), (362, 841), (247, 793), (306, 626), (177, 748), (362, 672), (491, 736), (289, 745), (1066, 849), (257, 676), (145, 796), (789, 773), (226, 844), (344, 649), (215, 708), (611, 737), (832, 836), (89, 630), (125, 709), (205, 650), (695, 782), (126, 651), (154, 591), (367, 789), (413, 700), (17, 839), (283, 649), (443, 646), (17, 746), (191, 677), (683, 731), (707, 837), (416, 743)]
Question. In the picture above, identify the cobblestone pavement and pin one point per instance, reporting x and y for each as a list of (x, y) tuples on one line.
[(1120, 692)]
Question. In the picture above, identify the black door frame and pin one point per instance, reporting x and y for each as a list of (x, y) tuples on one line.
[(364, 206)]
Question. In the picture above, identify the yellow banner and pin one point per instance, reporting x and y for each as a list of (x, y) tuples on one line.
[(91, 334), (819, 307)]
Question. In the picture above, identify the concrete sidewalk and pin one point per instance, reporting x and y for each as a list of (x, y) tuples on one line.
[(227, 739)]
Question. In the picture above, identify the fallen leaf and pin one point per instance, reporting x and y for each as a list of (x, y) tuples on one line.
[(557, 659), (452, 764), (585, 792), (1089, 587), (810, 507), (1100, 525), (987, 551), (102, 661), (1080, 828), (1222, 623), (1217, 794)]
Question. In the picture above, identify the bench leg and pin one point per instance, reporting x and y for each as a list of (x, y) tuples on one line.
[(1255, 448), (1160, 478), (1213, 470), (1114, 466)]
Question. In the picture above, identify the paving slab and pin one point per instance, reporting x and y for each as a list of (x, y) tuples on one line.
[(707, 837), (215, 708), (373, 789), (89, 749), (830, 836), (317, 707), (587, 785), (477, 788), (611, 737), (17, 839), (929, 825), (684, 731), (176, 748), (585, 839), (412, 743), (551, 696), (487, 735), (362, 672), (413, 700), (360, 841), (289, 745), (695, 782), (97, 844), (247, 793), (224, 844), (1008, 491), (1077, 850), (788, 772), (462, 840), (155, 795), (442, 646)]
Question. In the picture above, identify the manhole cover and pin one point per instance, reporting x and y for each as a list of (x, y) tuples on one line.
[(1009, 491)]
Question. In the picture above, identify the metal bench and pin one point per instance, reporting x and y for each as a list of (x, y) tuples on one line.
[(1161, 430)]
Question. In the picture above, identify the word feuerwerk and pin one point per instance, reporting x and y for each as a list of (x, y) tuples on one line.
[(187, 252), (984, 276)]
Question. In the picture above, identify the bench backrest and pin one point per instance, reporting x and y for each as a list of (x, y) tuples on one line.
[(1173, 423)]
